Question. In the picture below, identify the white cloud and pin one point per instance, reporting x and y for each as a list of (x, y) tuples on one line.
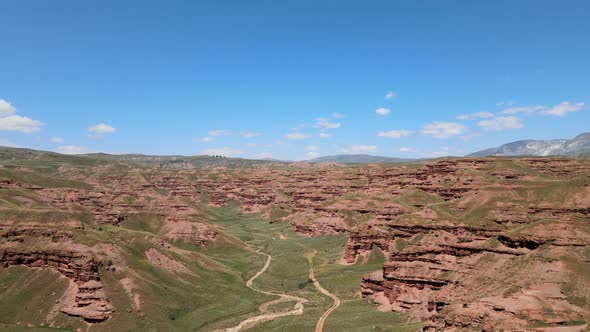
[(249, 134), (325, 135), (383, 111), (390, 95), (326, 124), (404, 149), (219, 132), (523, 109), (312, 154), (311, 148), (443, 129), (560, 109), (6, 109), (482, 115), (73, 149), (206, 139), (300, 126), (504, 103), (101, 128), (337, 115), (443, 152), (296, 136), (469, 136), (225, 151), (394, 133), (19, 123), (564, 108), (475, 116), (7, 143), (501, 123), (360, 149), (58, 140), (9, 121)]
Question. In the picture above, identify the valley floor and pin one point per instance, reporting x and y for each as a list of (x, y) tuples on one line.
[(289, 273)]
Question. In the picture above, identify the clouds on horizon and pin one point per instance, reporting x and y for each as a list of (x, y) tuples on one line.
[(6, 108), (99, 130), (326, 124), (563, 109), (469, 126), (250, 134), (224, 151), (394, 133), (382, 111), (390, 95), (442, 130), (296, 136), (10, 121), (73, 149), (359, 149), (501, 123), (560, 109), (475, 116)]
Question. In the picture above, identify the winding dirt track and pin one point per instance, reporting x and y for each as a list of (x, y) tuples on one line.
[(266, 315), (299, 301), (320, 324)]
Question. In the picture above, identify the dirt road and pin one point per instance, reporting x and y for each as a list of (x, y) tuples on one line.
[(264, 308), (320, 324)]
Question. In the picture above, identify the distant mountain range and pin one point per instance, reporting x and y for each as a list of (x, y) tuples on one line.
[(359, 159), (555, 147), (171, 162)]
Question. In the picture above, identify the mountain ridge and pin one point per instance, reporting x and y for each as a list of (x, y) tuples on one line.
[(540, 148), (579, 145), (360, 159)]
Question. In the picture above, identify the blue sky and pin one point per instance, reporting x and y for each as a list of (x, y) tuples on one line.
[(292, 79)]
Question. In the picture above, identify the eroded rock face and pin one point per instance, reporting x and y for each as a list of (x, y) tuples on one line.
[(107, 207), (179, 228), (86, 298), (90, 303), (316, 226), (23, 231), (460, 278), (362, 242)]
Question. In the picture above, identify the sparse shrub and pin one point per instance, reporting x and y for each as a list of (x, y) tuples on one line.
[(304, 284)]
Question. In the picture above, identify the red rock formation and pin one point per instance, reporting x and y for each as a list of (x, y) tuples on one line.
[(89, 301), (362, 242), (443, 267)]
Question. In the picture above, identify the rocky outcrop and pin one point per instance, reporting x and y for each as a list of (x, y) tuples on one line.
[(74, 265), (106, 207), (309, 226), (24, 231), (13, 184), (362, 242), (179, 228), (87, 298), (445, 272), (90, 303)]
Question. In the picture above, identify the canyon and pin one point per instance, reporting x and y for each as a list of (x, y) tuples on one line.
[(467, 243)]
